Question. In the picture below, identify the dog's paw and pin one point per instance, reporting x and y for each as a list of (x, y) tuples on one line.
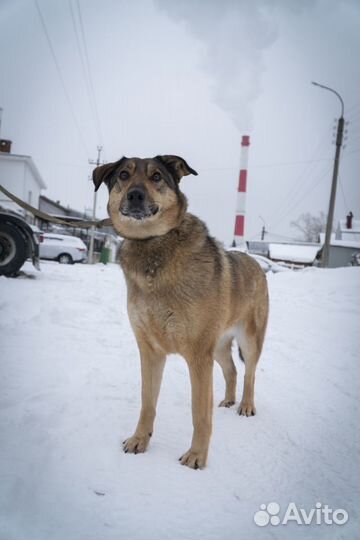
[(226, 403), (194, 460), (246, 409), (136, 444)]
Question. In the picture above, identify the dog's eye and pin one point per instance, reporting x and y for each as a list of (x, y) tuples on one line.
[(124, 175), (156, 177)]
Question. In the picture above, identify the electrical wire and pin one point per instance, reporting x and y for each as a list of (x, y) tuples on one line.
[(81, 56), (267, 165), (343, 194), (286, 163), (308, 172), (90, 79), (61, 78), (292, 207), (352, 108), (280, 235)]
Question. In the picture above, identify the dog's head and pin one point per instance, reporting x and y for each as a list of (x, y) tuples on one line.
[(144, 195)]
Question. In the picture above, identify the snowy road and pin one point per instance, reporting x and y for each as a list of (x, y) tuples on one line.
[(69, 394)]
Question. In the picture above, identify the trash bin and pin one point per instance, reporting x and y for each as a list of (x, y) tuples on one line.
[(104, 255)]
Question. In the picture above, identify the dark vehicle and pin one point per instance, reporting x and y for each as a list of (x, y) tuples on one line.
[(17, 243)]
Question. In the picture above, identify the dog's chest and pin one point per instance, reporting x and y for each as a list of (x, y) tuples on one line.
[(155, 316), (155, 308)]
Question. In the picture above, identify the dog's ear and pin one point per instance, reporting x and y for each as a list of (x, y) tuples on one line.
[(103, 173), (177, 166)]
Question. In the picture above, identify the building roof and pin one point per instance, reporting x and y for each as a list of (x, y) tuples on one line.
[(294, 252), (69, 212), (54, 203), (347, 242), (354, 229), (4, 156)]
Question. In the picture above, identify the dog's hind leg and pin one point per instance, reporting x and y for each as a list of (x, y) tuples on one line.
[(250, 336), (224, 358)]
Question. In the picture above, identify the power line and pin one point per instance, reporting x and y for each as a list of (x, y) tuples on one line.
[(90, 79), (285, 163), (292, 207), (354, 117), (298, 186), (57, 66), (355, 136), (81, 56), (352, 152), (281, 236), (352, 108), (343, 194), (267, 165)]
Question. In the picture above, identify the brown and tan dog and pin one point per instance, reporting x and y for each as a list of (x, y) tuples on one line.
[(186, 295)]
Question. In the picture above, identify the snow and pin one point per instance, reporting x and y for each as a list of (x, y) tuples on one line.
[(346, 243), (69, 394), (355, 226), (293, 253), (351, 241)]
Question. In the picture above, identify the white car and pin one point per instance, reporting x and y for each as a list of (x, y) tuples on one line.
[(62, 248), (266, 264)]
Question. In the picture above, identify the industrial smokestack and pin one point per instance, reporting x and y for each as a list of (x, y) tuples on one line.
[(239, 232)]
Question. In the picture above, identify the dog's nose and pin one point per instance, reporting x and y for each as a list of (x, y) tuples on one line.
[(136, 195)]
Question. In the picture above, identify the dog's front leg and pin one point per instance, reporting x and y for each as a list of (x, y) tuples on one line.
[(201, 375), (152, 367)]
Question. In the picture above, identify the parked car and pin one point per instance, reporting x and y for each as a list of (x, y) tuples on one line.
[(266, 264), (63, 248), (17, 243), (38, 233)]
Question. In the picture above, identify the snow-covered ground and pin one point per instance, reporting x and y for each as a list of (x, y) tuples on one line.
[(69, 394)]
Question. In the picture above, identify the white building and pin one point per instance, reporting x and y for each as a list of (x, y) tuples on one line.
[(19, 175), (344, 243), (348, 234)]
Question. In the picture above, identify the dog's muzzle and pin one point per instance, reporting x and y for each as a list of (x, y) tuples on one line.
[(136, 205)]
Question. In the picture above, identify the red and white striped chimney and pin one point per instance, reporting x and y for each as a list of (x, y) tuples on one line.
[(239, 232)]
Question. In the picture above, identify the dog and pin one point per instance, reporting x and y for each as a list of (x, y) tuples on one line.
[(186, 294)]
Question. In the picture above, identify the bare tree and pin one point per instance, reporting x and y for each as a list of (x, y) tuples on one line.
[(310, 226)]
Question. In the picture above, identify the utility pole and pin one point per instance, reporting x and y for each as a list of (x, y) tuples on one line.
[(339, 141), (263, 230), (92, 230)]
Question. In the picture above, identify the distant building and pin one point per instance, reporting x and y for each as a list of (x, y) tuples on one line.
[(348, 230), (19, 175), (54, 208), (344, 243), (296, 254), (104, 237), (258, 247)]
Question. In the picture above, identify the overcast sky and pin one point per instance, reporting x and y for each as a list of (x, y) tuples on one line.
[(190, 78)]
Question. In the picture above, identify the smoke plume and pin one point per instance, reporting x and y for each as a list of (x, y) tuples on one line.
[(235, 34)]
